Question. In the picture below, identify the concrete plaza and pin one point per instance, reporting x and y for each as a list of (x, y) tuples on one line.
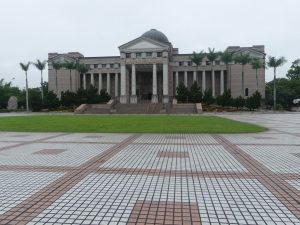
[(84, 178)]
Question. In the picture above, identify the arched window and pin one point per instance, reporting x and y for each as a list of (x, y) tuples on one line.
[(246, 92)]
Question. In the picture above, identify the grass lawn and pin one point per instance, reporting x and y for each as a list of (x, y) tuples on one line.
[(126, 123)]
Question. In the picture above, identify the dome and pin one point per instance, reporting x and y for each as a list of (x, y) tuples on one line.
[(156, 36)]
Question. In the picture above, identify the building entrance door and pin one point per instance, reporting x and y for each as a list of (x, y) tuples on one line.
[(144, 86)]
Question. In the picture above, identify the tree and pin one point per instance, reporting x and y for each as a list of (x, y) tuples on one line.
[(212, 56), (182, 93), (82, 68), (274, 63), (294, 71), (238, 102), (225, 99), (208, 98), (70, 65), (41, 65), (25, 67), (197, 58), (195, 93), (227, 58), (256, 65), (254, 101), (243, 59), (56, 66)]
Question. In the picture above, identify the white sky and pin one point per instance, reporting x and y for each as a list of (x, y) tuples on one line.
[(32, 28)]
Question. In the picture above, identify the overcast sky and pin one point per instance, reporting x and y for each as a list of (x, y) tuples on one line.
[(32, 28)]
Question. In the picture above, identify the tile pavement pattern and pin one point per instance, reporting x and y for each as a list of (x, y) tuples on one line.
[(62, 178)]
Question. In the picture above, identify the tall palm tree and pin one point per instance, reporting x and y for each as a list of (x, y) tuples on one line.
[(56, 65), (243, 59), (25, 67), (41, 65), (82, 68), (274, 63), (197, 58), (212, 56), (70, 65), (227, 58), (256, 65)]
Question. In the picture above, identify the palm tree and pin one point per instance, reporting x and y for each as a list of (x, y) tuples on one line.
[(70, 65), (41, 65), (227, 58), (256, 65), (25, 68), (212, 56), (56, 65), (197, 59), (243, 59), (274, 63), (82, 68)]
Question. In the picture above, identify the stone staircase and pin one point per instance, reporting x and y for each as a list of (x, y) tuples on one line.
[(140, 108)]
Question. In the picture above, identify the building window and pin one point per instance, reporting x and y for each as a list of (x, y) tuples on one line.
[(217, 62), (95, 66), (148, 54), (159, 54), (190, 63), (180, 63), (111, 65), (128, 55), (103, 65), (138, 55), (207, 63), (246, 92)]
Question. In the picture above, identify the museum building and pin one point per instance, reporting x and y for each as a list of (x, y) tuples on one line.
[(149, 68)]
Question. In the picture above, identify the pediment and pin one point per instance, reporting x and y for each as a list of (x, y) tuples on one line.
[(62, 58), (143, 44)]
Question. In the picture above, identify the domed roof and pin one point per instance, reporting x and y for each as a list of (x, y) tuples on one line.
[(156, 36)]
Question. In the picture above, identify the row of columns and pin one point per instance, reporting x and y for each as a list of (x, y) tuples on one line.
[(133, 97), (185, 80), (100, 83)]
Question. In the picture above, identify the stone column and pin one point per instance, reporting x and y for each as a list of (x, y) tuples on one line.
[(123, 97), (92, 79), (108, 83), (133, 98), (203, 81), (176, 79), (84, 81), (222, 82), (100, 83), (185, 79), (195, 76), (154, 85), (116, 85), (213, 83), (165, 83)]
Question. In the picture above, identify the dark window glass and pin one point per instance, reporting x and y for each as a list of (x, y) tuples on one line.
[(103, 65), (95, 66), (189, 63), (180, 63), (246, 92), (111, 65), (128, 55), (148, 54), (138, 54), (159, 54)]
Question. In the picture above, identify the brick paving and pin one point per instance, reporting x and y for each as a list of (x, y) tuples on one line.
[(64, 178)]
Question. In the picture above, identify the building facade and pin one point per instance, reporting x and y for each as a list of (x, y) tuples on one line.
[(149, 68)]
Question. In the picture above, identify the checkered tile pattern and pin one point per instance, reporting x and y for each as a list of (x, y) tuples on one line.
[(73, 154), (201, 158), (178, 179), (17, 186)]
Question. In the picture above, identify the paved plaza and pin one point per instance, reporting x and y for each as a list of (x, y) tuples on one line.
[(64, 178)]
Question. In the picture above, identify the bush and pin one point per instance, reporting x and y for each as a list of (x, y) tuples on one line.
[(254, 101), (238, 102), (182, 93), (225, 99), (69, 98), (208, 99), (195, 93)]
